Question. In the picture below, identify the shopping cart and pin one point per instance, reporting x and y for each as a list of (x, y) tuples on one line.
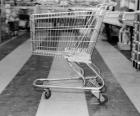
[(70, 33)]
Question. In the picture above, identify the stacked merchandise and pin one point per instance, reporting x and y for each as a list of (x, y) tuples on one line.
[(4, 29), (136, 44)]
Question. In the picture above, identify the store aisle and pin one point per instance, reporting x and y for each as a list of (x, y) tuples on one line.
[(12, 63), (122, 69), (10, 45), (19, 98), (63, 102)]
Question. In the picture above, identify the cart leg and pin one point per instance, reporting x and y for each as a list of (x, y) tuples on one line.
[(102, 99), (103, 89), (47, 93)]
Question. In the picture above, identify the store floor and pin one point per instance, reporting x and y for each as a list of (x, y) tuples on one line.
[(19, 98), (13, 43), (122, 69)]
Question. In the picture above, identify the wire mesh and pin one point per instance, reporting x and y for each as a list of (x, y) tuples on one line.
[(65, 32)]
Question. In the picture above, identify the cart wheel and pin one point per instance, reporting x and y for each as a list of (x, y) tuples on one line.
[(103, 89), (47, 93), (103, 99)]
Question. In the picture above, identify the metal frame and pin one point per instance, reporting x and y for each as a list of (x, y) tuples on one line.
[(72, 35)]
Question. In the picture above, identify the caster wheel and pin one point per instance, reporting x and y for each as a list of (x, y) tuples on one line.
[(103, 89), (47, 93), (103, 99)]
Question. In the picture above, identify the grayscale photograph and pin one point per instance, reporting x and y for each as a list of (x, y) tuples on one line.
[(69, 58)]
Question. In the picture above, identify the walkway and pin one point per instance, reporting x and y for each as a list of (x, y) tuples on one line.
[(19, 69), (12, 63), (122, 69)]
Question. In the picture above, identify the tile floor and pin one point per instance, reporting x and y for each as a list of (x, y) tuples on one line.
[(19, 98)]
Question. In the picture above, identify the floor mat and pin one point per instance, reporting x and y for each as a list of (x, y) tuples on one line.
[(119, 103), (19, 98)]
